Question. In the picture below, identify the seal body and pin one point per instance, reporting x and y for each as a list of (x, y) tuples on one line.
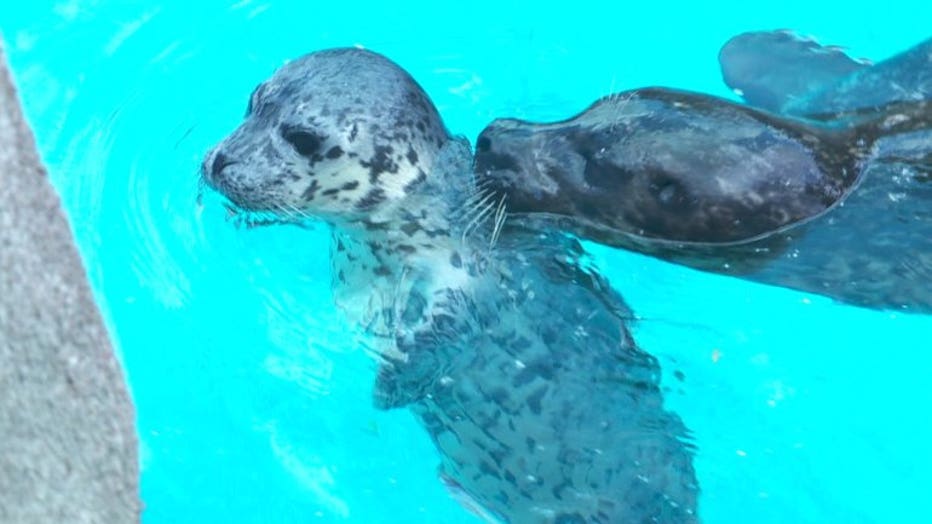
[(732, 189), (514, 354), (670, 165)]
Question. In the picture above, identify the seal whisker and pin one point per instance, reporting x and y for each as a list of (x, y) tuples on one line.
[(500, 215), (481, 209)]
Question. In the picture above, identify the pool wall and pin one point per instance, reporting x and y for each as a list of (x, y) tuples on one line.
[(68, 445)]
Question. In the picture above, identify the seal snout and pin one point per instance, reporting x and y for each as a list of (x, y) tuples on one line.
[(214, 164), (240, 190)]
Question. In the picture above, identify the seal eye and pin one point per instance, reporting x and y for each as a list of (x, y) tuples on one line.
[(667, 193), (304, 142)]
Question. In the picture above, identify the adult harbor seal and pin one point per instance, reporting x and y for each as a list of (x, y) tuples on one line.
[(836, 204), (512, 351)]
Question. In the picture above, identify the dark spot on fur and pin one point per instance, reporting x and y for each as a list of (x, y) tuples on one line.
[(510, 478), (353, 132), (566, 518), (557, 490), (456, 261), (382, 271), (374, 197), (412, 156), (308, 193), (350, 185), (487, 469), (329, 192), (410, 228), (533, 401), (380, 162), (373, 226), (334, 152), (421, 176), (549, 336), (406, 248), (498, 455), (432, 233), (499, 395)]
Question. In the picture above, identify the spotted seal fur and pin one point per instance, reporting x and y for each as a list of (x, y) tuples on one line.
[(836, 203), (513, 352)]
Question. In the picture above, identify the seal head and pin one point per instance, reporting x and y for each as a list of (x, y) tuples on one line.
[(334, 133)]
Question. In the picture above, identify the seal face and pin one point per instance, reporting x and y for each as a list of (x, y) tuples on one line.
[(513, 353), (331, 133)]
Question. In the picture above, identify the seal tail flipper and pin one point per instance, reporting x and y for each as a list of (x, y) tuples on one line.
[(904, 77), (771, 69)]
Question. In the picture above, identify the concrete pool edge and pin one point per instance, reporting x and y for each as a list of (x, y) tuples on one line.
[(69, 449)]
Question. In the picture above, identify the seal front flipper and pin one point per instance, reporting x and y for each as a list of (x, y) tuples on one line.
[(774, 69)]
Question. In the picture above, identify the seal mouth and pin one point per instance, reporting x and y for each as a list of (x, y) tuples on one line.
[(215, 173), (242, 213)]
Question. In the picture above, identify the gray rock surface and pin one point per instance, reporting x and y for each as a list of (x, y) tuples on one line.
[(68, 446)]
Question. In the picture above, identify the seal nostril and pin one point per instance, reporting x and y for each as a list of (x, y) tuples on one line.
[(220, 161), (483, 144)]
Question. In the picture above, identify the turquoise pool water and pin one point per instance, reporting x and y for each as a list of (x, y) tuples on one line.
[(253, 400)]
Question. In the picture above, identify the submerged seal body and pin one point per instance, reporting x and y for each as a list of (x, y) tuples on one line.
[(514, 354), (836, 204)]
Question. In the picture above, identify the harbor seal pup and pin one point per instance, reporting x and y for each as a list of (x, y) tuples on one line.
[(513, 352)]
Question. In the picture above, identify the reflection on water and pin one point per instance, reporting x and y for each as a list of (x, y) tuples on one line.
[(254, 403)]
